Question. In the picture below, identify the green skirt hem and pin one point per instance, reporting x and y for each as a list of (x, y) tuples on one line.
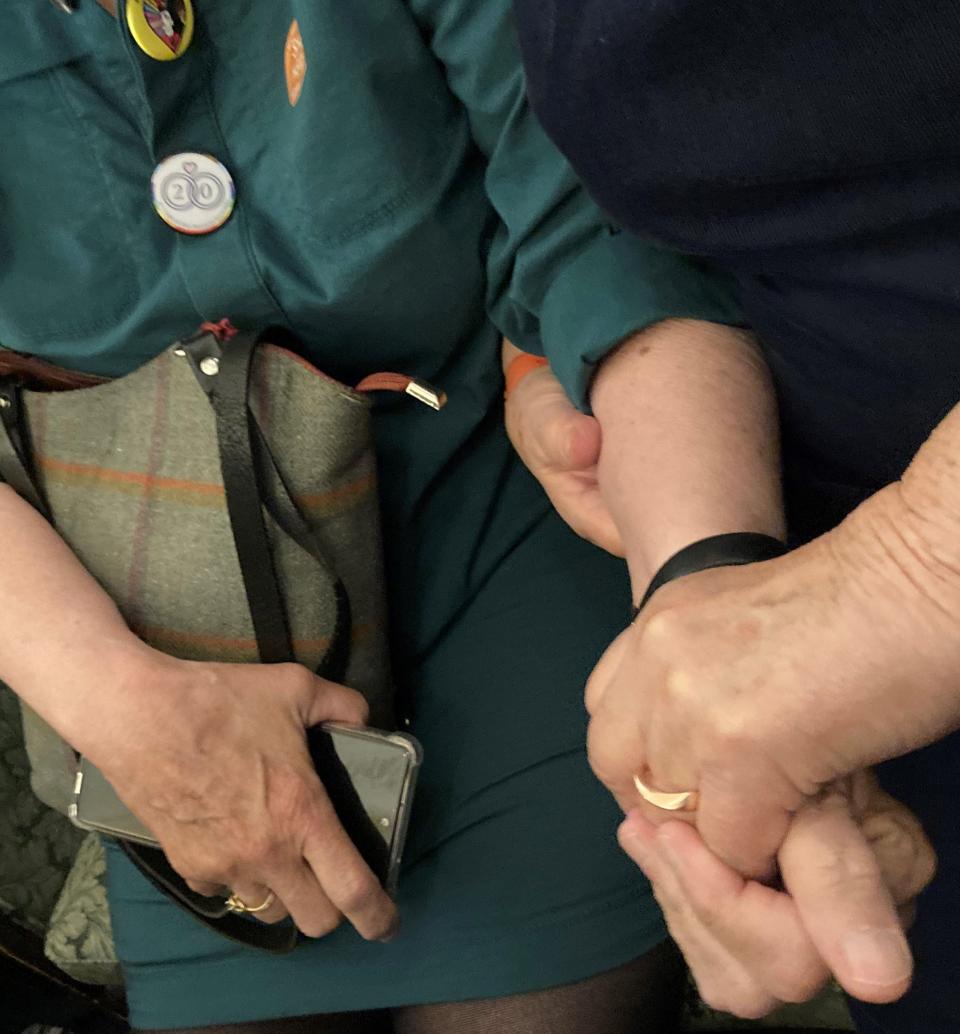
[(504, 963)]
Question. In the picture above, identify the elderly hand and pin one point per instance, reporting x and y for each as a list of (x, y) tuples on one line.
[(759, 685), (852, 858), (213, 759), (560, 447)]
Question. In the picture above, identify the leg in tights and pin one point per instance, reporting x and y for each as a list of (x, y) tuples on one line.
[(642, 997)]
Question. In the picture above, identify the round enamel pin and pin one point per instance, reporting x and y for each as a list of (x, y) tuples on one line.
[(162, 29), (192, 192)]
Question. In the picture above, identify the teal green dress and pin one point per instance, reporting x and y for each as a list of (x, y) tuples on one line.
[(397, 207)]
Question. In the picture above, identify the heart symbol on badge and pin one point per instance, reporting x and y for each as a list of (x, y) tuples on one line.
[(189, 168)]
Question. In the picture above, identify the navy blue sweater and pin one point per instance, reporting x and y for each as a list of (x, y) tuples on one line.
[(811, 148)]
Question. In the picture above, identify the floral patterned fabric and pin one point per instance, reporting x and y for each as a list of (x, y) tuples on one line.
[(37, 846), (79, 939), (51, 874)]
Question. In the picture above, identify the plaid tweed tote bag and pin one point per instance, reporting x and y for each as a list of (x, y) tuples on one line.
[(224, 495)]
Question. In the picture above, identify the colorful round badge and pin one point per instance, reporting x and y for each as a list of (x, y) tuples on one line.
[(192, 192), (162, 29)]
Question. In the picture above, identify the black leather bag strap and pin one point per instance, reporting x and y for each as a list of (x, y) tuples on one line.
[(242, 483), (16, 464), (246, 460), (244, 505), (277, 938)]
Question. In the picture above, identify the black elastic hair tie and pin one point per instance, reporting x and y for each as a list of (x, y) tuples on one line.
[(730, 550)]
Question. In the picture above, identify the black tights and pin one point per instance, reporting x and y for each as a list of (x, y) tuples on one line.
[(642, 997)]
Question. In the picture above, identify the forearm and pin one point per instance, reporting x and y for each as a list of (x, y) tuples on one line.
[(690, 440), (928, 498), (899, 552), (60, 634)]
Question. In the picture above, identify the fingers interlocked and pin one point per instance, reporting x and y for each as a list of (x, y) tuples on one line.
[(851, 861)]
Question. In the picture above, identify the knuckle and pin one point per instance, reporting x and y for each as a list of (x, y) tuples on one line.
[(681, 683), (856, 875), (356, 890), (200, 887), (711, 917), (203, 872), (259, 851), (797, 985), (663, 629), (753, 1006), (746, 1004), (296, 679), (607, 770), (926, 867), (290, 798), (321, 924), (287, 673)]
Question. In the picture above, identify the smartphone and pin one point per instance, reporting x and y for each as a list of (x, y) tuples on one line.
[(369, 776)]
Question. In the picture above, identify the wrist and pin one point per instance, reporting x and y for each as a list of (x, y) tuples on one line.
[(896, 551), (732, 549), (901, 606), (95, 687), (649, 551), (690, 441)]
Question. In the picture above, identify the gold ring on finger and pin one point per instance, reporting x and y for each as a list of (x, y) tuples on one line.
[(239, 907), (684, 800)]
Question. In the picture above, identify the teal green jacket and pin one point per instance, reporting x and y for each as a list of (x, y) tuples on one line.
[(402, 215), (408, 191)]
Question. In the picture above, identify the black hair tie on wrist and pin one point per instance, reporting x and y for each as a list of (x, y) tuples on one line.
[(730, 550)]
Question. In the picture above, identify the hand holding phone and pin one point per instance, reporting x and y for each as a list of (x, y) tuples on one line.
[(368, 775)]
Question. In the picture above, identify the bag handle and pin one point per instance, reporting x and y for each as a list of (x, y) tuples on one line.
[(224, 375), (245, 457)]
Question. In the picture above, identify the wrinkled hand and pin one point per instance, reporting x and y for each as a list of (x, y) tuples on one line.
[(560, 447), (852, 860), (759, 685), (212, 758)]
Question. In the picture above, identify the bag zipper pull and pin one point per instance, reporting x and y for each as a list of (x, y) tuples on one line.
[(420, 390)]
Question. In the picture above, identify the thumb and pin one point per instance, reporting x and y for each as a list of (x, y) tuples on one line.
[(833, 876), (331, 702), (605, 671), (583, 439), (562, 438)]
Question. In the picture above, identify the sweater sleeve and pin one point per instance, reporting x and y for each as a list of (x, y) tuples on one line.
[(562, 281)]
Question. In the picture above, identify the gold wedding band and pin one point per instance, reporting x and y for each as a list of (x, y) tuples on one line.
[(685, 800), (234, 904)]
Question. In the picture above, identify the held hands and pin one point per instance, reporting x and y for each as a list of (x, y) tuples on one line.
[(220, 773), (852, 860), (760, 686)]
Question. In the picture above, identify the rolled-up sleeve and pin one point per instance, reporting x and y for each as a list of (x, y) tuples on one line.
[(562, 282)]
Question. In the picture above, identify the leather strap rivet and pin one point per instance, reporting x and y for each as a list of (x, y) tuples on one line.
[(180, 353), (5, 403), (210, 365)]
